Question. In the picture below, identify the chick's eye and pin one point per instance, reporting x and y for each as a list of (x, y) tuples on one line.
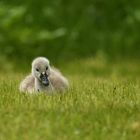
[(37, 69), (46, 68)]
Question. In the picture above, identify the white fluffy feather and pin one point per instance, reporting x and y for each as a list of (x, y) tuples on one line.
[(32, 84)]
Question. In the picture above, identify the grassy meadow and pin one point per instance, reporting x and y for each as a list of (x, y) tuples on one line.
[(96, 45), (103, 102)]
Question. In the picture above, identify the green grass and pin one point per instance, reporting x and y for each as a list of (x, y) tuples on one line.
[(103, 103)]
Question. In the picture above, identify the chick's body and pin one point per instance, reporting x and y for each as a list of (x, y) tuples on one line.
[(33, 83)]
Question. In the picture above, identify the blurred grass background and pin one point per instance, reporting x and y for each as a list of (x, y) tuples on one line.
[(70, 30), (96, 44)]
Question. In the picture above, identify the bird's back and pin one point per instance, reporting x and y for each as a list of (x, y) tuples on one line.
[(28, 84)]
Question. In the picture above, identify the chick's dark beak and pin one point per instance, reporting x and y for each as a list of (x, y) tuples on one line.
[(44, 79)]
